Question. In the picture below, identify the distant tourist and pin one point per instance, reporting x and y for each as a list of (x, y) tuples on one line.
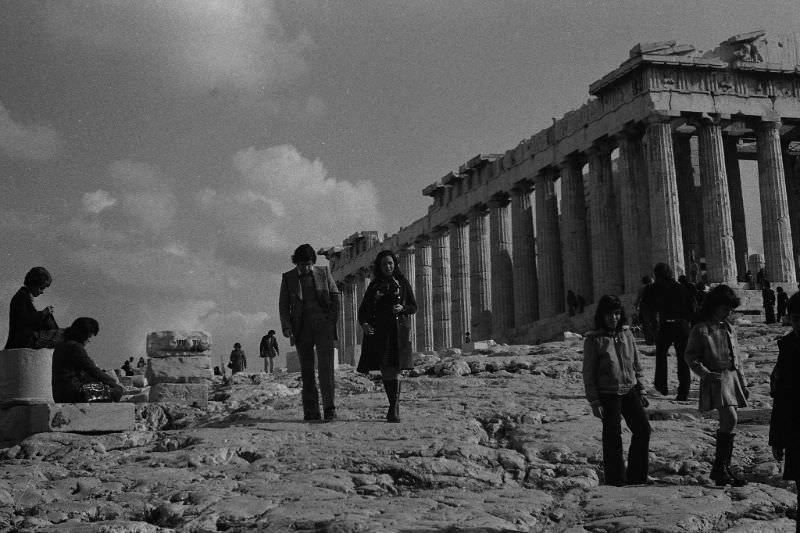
[(768, 298), (385, 318), (572, 303), (27, 327), (309, 310), (612, 377), (76, 378), (713, 354), (748, 278), (761, 277), (217, 371), (783, 301), (676, 308), (467, 337), (784, 437), (238, 360), (645, 308), (581, 302), (141, 363), (126, 368), (269, 350)]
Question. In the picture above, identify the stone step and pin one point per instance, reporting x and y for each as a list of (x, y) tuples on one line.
[(21, 421)]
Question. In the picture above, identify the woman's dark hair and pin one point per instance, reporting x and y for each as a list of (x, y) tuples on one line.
[(793, 306), (237, 346), (376, 265), (81, 329), (38, 277), (608, 304), (663, 271), (719, 295), (271, 332), (304, 252), (765, 284)]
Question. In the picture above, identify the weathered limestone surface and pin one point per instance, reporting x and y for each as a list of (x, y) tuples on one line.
[(175, 343), (187, 393), (499, 439), (21, 421), (195, 369), (26, 375)]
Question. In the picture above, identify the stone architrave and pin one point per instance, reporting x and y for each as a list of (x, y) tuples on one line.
[(26, 376), (408, 267), (459, 259), (665, 222), (526, 284), (690, 202), (195, 369), (717, 226), (607, 275), (778, 255), (424, 294), (737, 204), (502, 267), (480, 275), (177, 343), (442, 296), (548, 244), (575, 240), (634, 208)]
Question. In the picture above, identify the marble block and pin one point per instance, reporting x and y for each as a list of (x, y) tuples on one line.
[(20, 421), (26, 376), (185, 393), (176, 343), (195, 369)]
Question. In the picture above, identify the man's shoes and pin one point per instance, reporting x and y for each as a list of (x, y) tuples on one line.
[(663, 390), (330, 414), (311, 417)]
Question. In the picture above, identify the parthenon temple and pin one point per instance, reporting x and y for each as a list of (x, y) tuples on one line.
[(647, 171)]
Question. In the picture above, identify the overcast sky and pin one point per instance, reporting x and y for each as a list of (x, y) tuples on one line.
[(163, 159)]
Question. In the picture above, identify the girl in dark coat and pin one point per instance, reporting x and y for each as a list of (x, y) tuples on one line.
[(238, 362), (784, 427), (27, 327), (385, 318), (73, 368)]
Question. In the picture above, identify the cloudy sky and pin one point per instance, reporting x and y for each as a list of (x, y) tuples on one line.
[(162, 159)]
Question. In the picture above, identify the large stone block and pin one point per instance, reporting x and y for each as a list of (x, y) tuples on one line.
[(293, 361), (20, 421), (26, 376), (186, 393), (177, 343), (195, 369)]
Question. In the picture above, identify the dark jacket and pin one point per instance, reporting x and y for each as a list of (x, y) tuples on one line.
[(238, 361), (72, 367), (671, 300), (392, 333), (290, 303), (610, 364), (268, 346), (784, 427), (24, 321)]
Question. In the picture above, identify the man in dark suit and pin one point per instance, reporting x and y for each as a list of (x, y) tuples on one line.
[(309, 309)]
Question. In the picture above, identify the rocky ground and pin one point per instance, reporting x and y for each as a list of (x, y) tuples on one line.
[(497, 441)]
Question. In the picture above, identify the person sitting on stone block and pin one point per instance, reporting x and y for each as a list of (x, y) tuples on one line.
[(76, 378), (27, 327)]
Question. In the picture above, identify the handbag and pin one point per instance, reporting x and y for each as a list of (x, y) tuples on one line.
[(96, 392)]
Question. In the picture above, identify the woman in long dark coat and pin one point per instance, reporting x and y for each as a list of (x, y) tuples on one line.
[(385, 318)]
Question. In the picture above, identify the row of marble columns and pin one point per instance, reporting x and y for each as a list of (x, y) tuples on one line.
[(509, 261)]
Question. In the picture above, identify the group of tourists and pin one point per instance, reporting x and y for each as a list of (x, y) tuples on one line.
[(706, 344)]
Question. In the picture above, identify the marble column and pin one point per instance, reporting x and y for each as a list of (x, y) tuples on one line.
[(526, 291), (340, 324), (717, 226), (778, 256), (408, 267), (633, 206), (790, 166), (480, 275), (607, 275), (442, 299), (737, 205), (690, 200), (502, 268), (548, 245), (665, 222), (575, 240), (459, 259), (351, 329), (424, 294)]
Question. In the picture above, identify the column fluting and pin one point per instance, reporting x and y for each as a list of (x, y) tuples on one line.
[(526, 292), (632, 213), (459, 259), (548, 244), (575, 240), (480, 275), (738, 220), (607, 276), (442, 299), (690, 205), (408, 267), (424, 294), (502, 268)]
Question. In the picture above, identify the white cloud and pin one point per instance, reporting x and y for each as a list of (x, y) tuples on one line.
[(315, 106), (97, 201), (284, 199), (235, 326), (199, 44), (27, 141), (144, 194)]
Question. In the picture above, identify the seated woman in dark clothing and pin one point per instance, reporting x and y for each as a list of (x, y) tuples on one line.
[(27, 327), (73, 369)]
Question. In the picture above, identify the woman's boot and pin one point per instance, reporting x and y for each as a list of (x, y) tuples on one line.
[(735, 480), (719, 473), (392, 389)]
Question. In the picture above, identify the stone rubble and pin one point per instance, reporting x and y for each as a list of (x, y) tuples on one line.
[(495, 440)]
